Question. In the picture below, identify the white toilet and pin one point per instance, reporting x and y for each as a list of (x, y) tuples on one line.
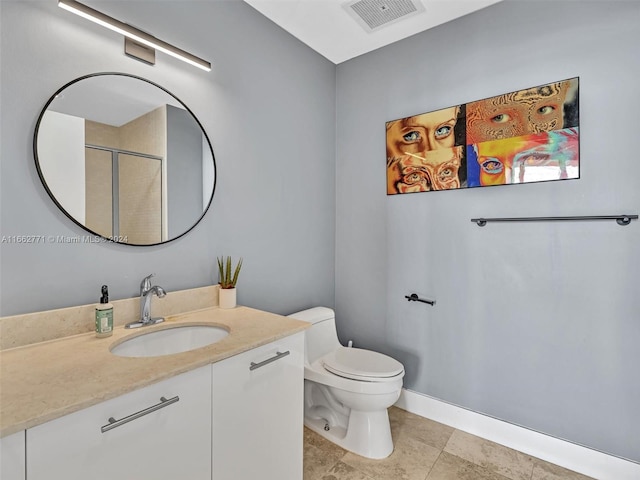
[(347, 391)]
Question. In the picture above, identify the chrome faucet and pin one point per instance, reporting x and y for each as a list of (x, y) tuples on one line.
[(146, 292)]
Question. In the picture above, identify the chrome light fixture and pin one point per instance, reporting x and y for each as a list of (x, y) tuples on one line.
[(134, 34)]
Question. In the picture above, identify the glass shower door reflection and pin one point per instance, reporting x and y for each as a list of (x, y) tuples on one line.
[(124, 195)]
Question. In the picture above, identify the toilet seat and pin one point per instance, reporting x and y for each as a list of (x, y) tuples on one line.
[(363, 365)]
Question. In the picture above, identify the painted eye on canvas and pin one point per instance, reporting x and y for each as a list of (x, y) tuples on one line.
[(501, 118), (447, 172), (546, 110), (492, 166), (411, 137), (412, 178), (443, 132)]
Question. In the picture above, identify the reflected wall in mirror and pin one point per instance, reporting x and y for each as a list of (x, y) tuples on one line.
[(125, 159)]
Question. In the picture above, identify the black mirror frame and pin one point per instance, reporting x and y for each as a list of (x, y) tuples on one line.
[(52, 196)]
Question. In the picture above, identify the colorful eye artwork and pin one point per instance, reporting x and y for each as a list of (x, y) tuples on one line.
[(530, 135)]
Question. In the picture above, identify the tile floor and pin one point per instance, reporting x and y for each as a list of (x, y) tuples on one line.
[(427, 450)]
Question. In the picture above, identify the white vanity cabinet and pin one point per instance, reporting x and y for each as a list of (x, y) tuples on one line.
[(258, 413), (12, 457), (164, 439)]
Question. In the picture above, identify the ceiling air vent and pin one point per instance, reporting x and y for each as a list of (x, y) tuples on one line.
[(374, 14)]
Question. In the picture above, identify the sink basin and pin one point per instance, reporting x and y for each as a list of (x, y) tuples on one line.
[(170, 340)]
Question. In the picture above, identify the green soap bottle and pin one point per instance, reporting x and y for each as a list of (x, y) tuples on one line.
[(104, 315)]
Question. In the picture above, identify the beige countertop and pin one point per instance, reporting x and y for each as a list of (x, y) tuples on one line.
[(47, 380)]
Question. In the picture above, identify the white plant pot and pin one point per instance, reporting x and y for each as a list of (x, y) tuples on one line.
[(227, 298)]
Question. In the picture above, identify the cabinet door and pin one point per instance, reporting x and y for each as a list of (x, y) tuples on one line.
[(258, 413), (172, 442), (12, 457)]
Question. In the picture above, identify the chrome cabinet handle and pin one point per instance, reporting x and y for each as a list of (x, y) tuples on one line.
[(113, 423), (278, 356)]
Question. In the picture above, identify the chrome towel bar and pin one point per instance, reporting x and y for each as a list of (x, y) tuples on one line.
[(620, 219)]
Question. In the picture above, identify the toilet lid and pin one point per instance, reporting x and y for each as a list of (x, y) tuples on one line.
[(361, 364)]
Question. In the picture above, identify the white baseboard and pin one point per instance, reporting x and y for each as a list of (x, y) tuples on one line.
[(559, 452)]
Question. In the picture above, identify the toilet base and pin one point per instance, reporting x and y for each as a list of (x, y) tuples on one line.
[(368, 433)]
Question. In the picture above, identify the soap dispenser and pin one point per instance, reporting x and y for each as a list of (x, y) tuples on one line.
[(104, 315)]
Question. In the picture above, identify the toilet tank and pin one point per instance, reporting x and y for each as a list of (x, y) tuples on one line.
[(322, 337)]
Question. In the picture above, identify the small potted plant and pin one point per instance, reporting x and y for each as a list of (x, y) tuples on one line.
[(228, 282)]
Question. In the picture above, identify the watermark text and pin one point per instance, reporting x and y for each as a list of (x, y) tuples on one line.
[(60, 239)]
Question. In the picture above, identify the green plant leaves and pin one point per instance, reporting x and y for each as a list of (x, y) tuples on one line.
[(224, 271)]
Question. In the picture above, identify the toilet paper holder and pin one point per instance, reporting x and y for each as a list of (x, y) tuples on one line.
[(414, 298)]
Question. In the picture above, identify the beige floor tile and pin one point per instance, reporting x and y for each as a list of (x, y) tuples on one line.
[(317, 462), (496, 458), (410, 460), (312, 438), (546, 471), (342, 471), (418, 443), (427, 431), (450, 467)]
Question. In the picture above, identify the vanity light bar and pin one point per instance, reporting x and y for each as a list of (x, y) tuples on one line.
[(133, 33)]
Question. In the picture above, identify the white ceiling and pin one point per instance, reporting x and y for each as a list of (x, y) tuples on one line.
[(111, 99), (327, 27)]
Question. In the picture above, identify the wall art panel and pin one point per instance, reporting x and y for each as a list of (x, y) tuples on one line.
[(529, 135)]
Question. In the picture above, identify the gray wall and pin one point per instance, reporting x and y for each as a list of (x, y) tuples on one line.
[(265, 109), (537, 324), (184, 170)]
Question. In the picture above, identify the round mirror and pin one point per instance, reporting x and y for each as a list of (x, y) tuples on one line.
[(125, 159)]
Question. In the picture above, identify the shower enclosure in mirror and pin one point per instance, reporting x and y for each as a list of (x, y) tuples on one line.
[(125, 159)]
